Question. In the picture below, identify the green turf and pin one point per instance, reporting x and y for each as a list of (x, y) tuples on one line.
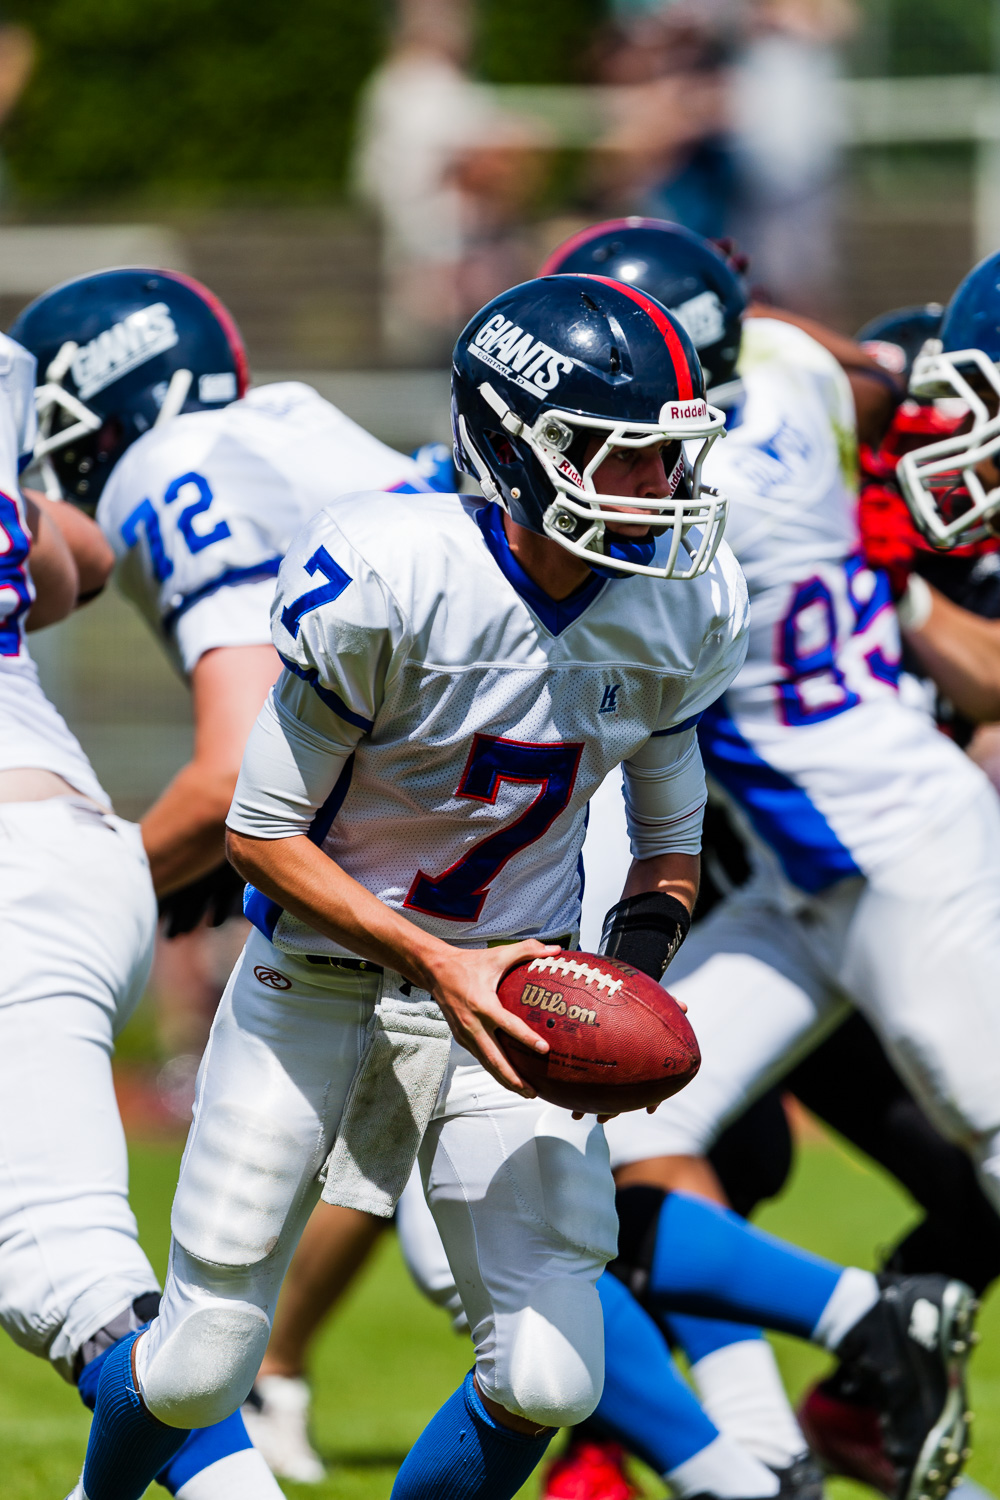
[(389, 1360)]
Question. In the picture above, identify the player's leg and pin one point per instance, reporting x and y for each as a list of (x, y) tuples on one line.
[(78, 917), (334, 1245), (270, 1094), (523, 1199), (921, 961), (756, 992)]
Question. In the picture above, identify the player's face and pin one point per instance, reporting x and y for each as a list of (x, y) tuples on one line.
[(642, 473)]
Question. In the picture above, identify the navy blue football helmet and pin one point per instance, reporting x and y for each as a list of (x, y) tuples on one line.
[(118, 352), (948, 499), (680, 269), (543, 370), (894, 339)]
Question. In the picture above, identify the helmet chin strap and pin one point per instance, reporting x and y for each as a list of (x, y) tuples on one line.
[(175, 397)]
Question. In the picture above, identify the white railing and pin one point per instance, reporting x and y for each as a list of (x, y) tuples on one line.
[(873, 112)]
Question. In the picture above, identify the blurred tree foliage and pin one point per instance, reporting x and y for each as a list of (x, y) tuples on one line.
[(925, 37), (536, 41), (137, 94), (229, 96)]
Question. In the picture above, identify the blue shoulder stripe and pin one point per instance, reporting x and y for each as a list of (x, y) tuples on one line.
[(691, 723), (330, 698), (230, 578)]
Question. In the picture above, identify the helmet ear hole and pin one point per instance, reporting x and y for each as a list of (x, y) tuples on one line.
[(502, 448)]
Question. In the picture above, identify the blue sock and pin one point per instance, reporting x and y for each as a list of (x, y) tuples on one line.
[(128, 1447), (462, 1454), (701, 1336), (646, 1406), (203, 1446), (709, 1261)]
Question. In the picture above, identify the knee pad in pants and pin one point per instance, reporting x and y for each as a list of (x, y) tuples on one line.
[(548, 1361), (200, 1357)]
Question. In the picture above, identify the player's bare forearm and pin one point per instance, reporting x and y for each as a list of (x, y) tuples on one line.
[(961, 652), (185, 830), (87, 545), (300, 877), (53, 571), (677, 875)]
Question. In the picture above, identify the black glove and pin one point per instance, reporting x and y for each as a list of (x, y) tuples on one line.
[(646, 931), (217, 895)]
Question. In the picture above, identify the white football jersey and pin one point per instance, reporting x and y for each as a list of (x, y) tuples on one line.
[(812, 742), (200, 512), (32, 733), (479, 716)]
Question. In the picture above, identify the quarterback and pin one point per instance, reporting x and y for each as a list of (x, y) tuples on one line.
[(456, 683)]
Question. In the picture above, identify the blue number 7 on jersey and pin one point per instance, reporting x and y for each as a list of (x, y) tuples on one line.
[(320, 562), (459, 893)]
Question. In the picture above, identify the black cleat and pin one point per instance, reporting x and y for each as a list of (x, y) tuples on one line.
[(907, 1358), (802, 1479)]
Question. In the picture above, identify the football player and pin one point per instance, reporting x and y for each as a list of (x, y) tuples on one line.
[(199, 486), (454, 658), (78, 915), (839, 788)]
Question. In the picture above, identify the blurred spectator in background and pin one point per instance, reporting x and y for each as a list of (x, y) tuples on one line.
[(787, 129), (450, 176), (668, 153), (728, 121), (17, 58)]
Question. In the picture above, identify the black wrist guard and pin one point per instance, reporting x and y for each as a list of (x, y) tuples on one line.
[(646, 931)]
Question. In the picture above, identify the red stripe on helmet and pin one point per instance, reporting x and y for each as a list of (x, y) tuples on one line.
[(228, 323), (685, 383), (560, 254)]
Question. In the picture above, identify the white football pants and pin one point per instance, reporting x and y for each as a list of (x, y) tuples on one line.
[(77, 920), (916, 949), (521, 1193)]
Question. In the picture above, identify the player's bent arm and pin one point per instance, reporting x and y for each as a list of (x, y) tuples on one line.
[(296, 873), (53, 571), (296, 752), (959, 650), (185, 829), (92, 556)]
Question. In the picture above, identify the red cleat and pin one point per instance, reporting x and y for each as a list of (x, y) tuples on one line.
[(846, 1437), (589, 1471)]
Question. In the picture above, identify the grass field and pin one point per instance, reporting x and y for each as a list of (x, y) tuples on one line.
[(389, 1360)]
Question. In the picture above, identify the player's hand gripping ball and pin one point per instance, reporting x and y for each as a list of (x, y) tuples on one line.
[(617, 1040)]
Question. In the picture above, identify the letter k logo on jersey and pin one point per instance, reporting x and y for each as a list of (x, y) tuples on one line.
[(609, 703)]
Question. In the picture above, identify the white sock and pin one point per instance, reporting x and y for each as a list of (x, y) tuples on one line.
[(855, 1293), (723, 1469), (238, 1476), (741, 1390)]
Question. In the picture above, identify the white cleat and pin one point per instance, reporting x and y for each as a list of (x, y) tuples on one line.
[(968, 1489), (276, 1414)]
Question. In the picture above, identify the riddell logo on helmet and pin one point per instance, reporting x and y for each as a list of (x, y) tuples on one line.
[(117, 351), (527, 361), (683, 411)]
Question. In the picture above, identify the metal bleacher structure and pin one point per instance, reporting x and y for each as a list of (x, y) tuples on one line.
[(304, 286)]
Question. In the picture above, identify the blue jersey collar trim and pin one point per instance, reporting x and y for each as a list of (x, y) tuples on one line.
[(555, 614)]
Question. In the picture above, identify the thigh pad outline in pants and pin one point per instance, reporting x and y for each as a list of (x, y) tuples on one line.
[(271, 1090), (754, 979), (523, 1197)]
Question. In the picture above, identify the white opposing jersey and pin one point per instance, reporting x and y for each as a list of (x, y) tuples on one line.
[(473, 717), (32, 733), (201, 511), (831, 770)]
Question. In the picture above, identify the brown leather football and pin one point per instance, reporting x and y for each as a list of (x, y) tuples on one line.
[(617, 1039)]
